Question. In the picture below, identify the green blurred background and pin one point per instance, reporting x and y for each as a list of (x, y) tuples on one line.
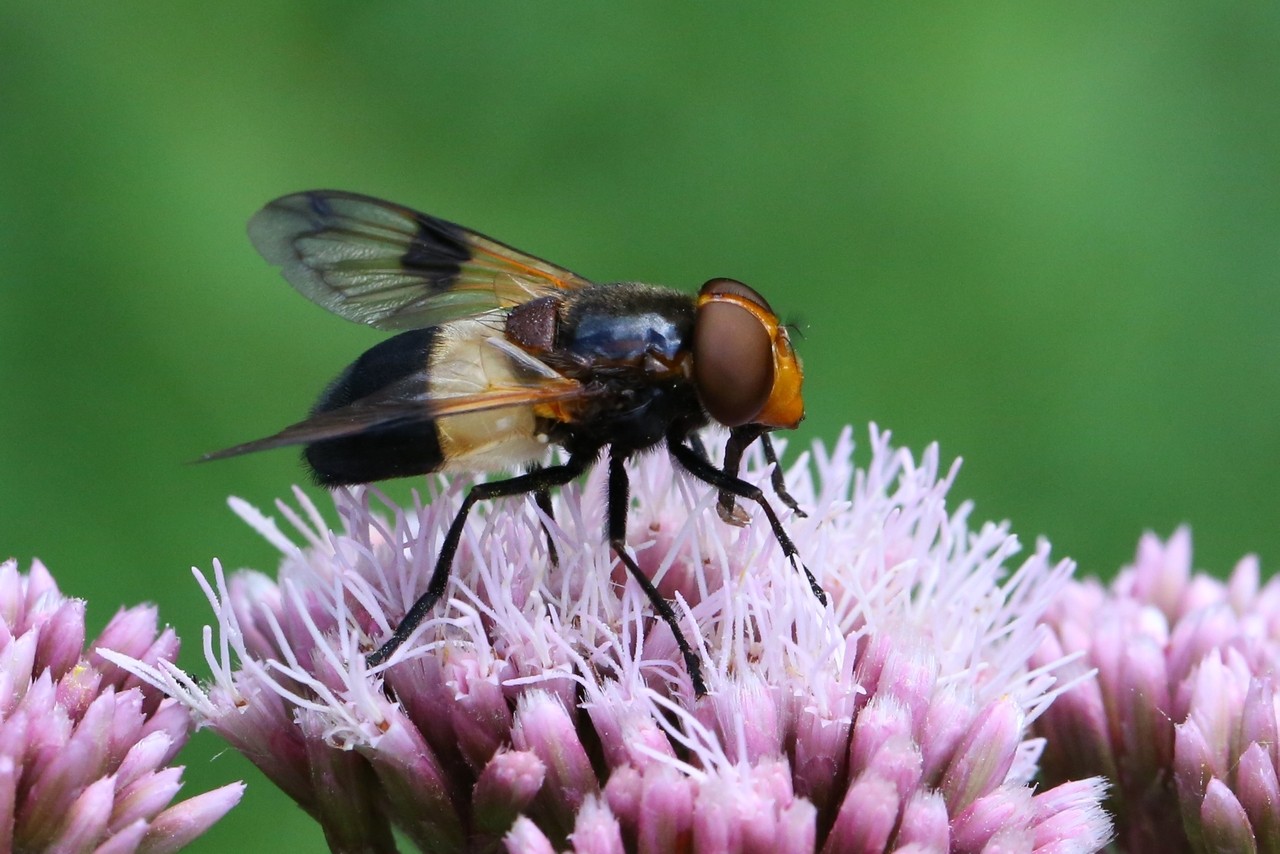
[(1046, 238)]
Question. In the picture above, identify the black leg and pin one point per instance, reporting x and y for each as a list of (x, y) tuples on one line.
[(537, 481), (779, 482), (619, 499), (725, 482), (740, 438), (542, 497), (699, 447)]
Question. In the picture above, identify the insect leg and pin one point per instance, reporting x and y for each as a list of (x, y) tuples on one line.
[(725, 505), (542, 497), (619, 499), (726, 482), (537, 481), (699, 447), (739, 439), (779, 482)]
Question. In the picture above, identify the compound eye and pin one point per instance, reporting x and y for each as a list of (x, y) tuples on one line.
[(733, 286), (732, 355)]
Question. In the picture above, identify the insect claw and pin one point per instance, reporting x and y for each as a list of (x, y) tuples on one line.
[(731, 513)]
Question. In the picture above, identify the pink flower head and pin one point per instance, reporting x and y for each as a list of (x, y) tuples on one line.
[(1183, 714), (85, 745), (545, 707)]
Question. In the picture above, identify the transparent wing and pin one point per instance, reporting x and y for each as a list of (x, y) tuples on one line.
[(392, 267)]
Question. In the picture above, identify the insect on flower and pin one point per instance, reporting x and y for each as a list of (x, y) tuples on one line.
[(500, 354)]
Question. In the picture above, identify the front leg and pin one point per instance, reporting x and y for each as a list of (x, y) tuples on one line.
[(740, 438), (704, 471), (776, 477)]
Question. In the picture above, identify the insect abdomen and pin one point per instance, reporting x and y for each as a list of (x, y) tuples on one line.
[(384, 452)]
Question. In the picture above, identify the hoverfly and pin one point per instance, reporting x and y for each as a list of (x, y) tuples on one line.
[(500, 354)]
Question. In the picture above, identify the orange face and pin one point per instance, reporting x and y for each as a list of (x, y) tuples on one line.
[(744, 366)]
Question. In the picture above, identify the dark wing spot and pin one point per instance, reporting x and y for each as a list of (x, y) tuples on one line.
[(437, 251)]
